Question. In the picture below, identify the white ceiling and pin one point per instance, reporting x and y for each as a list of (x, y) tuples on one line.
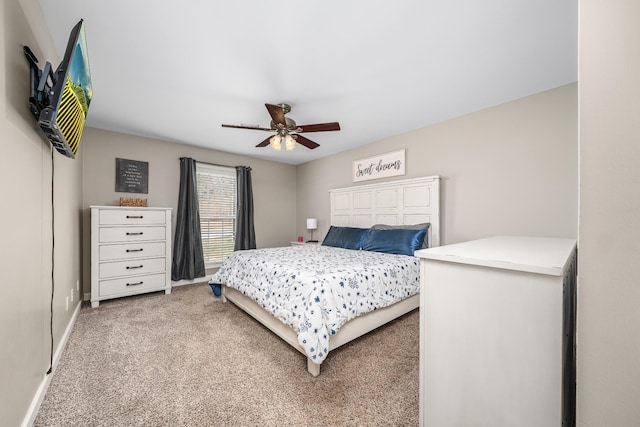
[(177, 70)]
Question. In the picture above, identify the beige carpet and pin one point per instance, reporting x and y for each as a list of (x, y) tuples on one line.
[(187, 359)]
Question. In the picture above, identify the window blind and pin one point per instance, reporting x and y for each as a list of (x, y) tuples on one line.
[(217, 202)]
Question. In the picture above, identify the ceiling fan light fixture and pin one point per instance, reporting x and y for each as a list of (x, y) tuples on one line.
[(289, 142), (276, 142), (285, 128)]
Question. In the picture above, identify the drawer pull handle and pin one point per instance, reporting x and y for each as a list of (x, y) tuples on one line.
[(130, 267), (135, 216), (135, 250), (135, 234), (134, 284)]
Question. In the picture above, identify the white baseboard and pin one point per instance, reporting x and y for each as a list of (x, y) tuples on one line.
[(190, 282), (32, 412)]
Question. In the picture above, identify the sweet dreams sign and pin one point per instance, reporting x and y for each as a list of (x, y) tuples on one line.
[(382, 166)]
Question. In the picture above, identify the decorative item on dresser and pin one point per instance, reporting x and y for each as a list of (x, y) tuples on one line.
[(497, 333), (130, 251), (133, 201)]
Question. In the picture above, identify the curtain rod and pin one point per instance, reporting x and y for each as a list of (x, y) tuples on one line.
[(215, 164), (209, 163)]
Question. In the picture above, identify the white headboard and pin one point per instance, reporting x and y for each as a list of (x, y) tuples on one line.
[(403, 202)]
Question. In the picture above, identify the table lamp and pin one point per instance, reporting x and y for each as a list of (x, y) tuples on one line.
[(312, 224)]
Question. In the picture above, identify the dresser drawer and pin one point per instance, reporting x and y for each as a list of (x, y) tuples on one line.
[(132, 285), (131, 217), (131, 267), (131, 251), (131, 234)]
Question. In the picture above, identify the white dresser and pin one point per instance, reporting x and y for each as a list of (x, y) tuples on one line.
[(497, 333), (130, 251)]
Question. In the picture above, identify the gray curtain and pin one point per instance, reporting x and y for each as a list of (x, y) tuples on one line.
[(245, 234), (188, 261)]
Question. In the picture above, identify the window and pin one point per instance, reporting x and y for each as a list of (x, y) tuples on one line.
[(217, 202)]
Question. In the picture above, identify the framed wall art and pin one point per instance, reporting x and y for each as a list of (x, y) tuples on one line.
[(132, 176)]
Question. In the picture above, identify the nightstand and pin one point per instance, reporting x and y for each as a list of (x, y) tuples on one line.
[(304, 243)]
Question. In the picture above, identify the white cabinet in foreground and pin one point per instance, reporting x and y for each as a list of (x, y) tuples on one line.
[(497, 333)]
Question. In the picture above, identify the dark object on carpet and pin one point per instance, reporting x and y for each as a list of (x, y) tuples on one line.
[(216, 288)]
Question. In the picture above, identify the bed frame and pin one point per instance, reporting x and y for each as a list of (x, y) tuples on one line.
[(402, 202)]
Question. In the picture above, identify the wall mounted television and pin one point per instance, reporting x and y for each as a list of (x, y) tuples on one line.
[(60, 99)]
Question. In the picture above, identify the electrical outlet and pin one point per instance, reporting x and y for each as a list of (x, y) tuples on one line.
[(66, 303), (71, 294), (78, 285)]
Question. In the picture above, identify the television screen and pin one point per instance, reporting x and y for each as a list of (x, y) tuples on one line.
[(63, 119)]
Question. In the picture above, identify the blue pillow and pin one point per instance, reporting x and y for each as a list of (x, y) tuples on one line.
[(425, 225), (396, 241), (344, 237)]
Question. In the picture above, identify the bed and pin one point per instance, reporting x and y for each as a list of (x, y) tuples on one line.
[(319, 297)]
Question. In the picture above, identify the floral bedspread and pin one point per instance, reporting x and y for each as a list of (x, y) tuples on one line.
[(317, 289)]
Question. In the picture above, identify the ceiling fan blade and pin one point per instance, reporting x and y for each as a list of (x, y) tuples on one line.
[(306, 142), (277, 113), (247, 127), (264, 143), (320, 127)]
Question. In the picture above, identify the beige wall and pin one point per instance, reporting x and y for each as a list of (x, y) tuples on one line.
[(510, 169), (274, 184), (26, 250), (609, 236)]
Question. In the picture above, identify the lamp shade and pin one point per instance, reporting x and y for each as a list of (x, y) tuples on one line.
[(312, 223), (289, 142), (276, 142)]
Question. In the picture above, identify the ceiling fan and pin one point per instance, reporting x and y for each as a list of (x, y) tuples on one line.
[(287, 130)]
